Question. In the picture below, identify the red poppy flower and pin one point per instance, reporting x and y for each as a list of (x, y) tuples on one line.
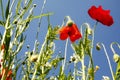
[(9, 74), (70, 31), (101, 15), (64, 32)]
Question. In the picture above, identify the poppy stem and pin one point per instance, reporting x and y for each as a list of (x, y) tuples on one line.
[(111, 46), (86, 25), (74, 71), (40, 20), (38, 60), (83, 68), (109, 63), (69, 20), (93, 37), (63, 67)]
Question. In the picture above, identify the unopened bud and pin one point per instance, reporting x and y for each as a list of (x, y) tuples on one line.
[(98, 47), (34, 5), (96, 68), (70, 21), (89, 30), (116, 57), (34, 58)]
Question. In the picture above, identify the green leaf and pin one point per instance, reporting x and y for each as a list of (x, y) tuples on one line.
[(2, 9), (7, 9), (117, 75), (35, 17), (26, 8), (62, 76), (18, 6), (7, 39), (70, 76), (2, 23)]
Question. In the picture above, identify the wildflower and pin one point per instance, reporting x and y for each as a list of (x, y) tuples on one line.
[(48, 64), (71, 31), (9, 74), (101, 15), (74, 58), (106, 78), (34, 58)]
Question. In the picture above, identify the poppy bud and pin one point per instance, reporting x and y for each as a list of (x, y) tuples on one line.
[(34, 58), (116, 57), (98, 47)]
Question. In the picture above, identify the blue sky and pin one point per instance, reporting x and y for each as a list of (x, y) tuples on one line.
[(77, 10)]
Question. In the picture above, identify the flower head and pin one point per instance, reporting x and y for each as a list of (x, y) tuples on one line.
[(101, 15), (74, 58), (9, 74), (71, 31), (105, 78), (34, 58)]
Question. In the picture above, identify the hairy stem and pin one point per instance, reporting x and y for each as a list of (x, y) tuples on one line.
[(66, 45), (83, 68), (109, 63)]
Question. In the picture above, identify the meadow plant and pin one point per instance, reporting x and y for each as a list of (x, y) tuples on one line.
[(39, 64)]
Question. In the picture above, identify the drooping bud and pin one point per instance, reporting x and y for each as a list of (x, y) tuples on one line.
[(89, 30), (116, 57), (34, 58), (70, 21), (98, 47), (34, 5)]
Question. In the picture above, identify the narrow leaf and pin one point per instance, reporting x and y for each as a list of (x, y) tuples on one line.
[(26, 8), (18, 6), (2, 23), (2, 9), (47, 14), (7, 9)]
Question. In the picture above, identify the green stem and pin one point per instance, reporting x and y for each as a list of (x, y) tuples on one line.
[(86, 25), (33, 78), (74, 71), (39, 24), (91, 61), (83, 68), (93, 37), (11, 7), (63, 67), (109, 63), (2, 10), (111, 46)]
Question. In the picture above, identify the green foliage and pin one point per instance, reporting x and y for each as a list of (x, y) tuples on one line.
[(7, 9), (37, 64), (117, 74)]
